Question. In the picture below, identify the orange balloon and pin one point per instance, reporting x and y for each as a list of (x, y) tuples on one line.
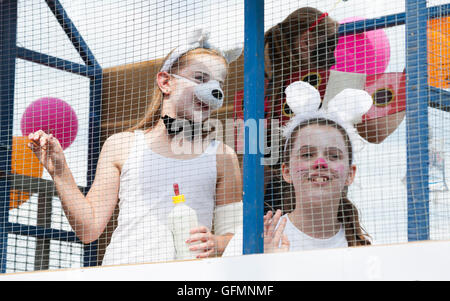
[(439, 52), (23, 162)]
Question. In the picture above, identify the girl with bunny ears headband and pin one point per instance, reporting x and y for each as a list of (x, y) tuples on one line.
[(318, 162)]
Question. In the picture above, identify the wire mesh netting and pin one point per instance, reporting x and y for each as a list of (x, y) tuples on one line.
[(141, 107)]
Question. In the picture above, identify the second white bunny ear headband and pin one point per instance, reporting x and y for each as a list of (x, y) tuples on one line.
[(346, 108), (200, 39)]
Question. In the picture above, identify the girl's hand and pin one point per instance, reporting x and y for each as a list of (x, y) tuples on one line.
[(202, 242), (272, 236), (48, 150)]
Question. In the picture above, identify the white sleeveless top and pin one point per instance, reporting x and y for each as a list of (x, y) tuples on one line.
[(298, 240), (145, 200)]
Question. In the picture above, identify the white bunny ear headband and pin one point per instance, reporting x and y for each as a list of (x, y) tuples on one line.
[(345, 109), (200, 39)]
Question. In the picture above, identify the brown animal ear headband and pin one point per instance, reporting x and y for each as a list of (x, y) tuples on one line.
[(321, 17)]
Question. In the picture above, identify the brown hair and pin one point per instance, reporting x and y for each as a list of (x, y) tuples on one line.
[(282, 40), (153, 112), (348, 214)]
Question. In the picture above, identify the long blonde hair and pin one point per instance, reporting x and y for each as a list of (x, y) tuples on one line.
[(154, 107), (348, 214)]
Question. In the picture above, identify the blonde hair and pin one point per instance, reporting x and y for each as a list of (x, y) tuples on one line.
[(153, 111)]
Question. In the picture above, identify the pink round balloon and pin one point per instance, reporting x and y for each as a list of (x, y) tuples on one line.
[(367, 52), (52, 115)]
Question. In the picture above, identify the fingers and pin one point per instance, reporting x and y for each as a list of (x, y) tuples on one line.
[(285, 243), (279, 233), (202, 237), (201, 229), (203, 249), (40, 139), (206, 254), (201, 233), (204, 246), (268, 216), (272, 223)]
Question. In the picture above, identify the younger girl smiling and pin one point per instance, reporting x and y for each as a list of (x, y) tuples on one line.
[(318, 162)]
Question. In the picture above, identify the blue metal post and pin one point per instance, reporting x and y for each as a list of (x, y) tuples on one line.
[(8, 34), (95, 101), (72, 32), (417, 120), (253, 178)]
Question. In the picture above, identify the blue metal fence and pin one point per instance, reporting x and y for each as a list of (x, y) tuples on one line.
[(253, 178), (91, 69), (419, 97)]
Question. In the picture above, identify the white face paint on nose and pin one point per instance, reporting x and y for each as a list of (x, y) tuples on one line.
[(210, 94)]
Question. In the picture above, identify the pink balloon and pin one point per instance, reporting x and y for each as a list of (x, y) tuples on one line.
[(367, 52), (52, 115)]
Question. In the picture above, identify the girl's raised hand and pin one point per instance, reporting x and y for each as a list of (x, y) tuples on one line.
[(48, 150), (275, 241)]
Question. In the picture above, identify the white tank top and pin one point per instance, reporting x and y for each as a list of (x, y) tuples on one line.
[(145, 200), (298, 240)]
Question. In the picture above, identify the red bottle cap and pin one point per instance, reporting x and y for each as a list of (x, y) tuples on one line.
[(176, 189)]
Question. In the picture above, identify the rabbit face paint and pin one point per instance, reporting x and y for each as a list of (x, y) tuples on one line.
[(319, 163)]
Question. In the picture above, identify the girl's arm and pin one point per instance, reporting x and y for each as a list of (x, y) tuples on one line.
[(228, 190), (88, 215)]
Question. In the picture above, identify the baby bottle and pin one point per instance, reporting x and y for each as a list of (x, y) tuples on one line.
[(181, 220)]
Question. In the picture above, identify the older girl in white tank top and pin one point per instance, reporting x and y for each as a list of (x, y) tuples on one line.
[(137, 168)]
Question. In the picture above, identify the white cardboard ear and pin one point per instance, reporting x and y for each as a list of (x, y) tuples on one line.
[(350, 105), (338, 81), (200, 36), (234, 53), (301, 97)]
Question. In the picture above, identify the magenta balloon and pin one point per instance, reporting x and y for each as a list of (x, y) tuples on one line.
[(367, 52), (52, 115)]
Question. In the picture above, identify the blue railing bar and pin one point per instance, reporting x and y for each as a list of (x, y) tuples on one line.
[(439, 99), (40, 232), (417, 120), (72, 33), (8, 38), (95, 101), (438, 11), (253, 180), (389, 20), (54, 62)]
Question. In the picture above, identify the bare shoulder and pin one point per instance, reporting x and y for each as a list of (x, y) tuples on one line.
[(226, 158), (117, 147), (225, 150)]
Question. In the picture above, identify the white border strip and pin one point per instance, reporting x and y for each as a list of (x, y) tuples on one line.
[(410, 261)]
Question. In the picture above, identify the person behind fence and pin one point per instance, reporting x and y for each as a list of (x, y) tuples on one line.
[(318, 163), (139, 167), (303, 43)]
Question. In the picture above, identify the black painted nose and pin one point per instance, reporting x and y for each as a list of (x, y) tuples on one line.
[(217, 94)]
